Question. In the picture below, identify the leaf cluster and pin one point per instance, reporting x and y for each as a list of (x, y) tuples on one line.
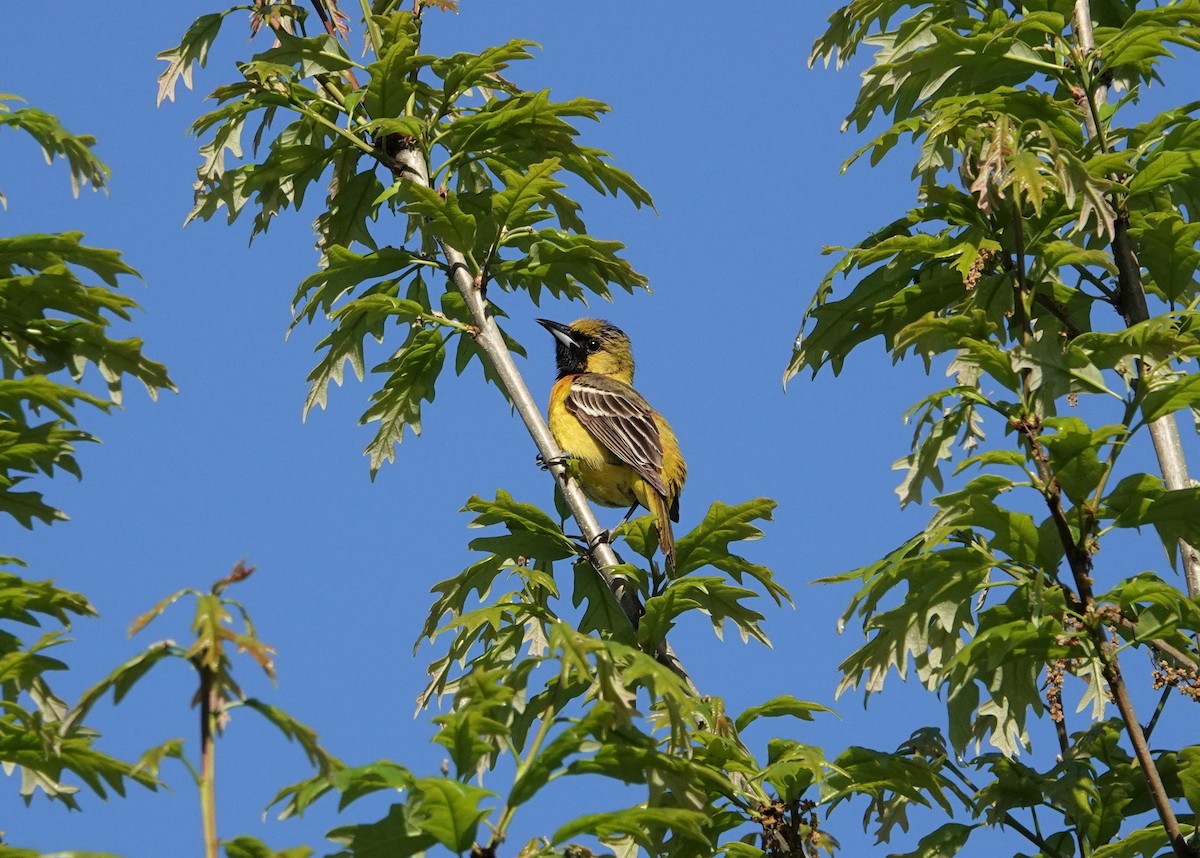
[(500, 162), (564, 689), (53, 326), (1049, 266)]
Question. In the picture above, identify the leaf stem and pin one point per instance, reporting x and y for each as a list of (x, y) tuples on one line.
[(531, 753), (337, 129), (372, 28)]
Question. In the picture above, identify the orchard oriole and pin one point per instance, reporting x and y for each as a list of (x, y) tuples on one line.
[(627, 454)]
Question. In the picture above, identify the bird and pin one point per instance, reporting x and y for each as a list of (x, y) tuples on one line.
[(625, 451)]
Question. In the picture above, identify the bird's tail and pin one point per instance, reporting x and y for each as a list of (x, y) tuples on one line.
[(662, 518)]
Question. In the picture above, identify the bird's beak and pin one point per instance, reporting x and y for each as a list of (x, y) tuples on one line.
[(561, 332)]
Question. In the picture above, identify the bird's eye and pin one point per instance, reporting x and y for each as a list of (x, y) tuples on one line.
[(593, 345)]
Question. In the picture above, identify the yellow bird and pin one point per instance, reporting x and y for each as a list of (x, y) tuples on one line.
[(627, 453)]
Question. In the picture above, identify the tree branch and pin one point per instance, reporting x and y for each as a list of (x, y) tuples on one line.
[(1131, 297), (414, 166), (1008, 819), (1158, 792), (1080, 562)]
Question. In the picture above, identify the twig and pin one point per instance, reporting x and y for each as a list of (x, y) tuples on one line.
[(1080, 562), (1011, 821), (1158, 710), (1158, 792)]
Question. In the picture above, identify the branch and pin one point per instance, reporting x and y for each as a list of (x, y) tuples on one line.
[(1008, 819), (1131, 296), (1158, 793), (1081, 563), (411, 163), (207, 697)]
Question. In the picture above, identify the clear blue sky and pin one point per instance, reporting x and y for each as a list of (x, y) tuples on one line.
[(716, 114)]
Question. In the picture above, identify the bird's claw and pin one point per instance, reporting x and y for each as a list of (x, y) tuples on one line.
[(546, 464)]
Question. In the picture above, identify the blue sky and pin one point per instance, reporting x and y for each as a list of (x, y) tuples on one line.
[(717, 116)]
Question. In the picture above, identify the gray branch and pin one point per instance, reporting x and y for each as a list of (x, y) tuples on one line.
[(1131, 302), (413, 165)]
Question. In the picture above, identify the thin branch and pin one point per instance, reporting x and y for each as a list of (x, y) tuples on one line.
[(327, 16), (1158, 792), (412, 163), (1084, 274), (1011, 821), (1158, 710), (1080, 562), (1059, 311)]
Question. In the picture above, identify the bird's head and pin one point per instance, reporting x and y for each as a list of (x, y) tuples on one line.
[(591, 345)]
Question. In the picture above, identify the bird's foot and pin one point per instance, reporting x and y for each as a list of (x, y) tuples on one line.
[(546, 464)]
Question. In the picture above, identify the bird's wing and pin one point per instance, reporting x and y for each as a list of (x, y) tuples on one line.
[(620, 419)]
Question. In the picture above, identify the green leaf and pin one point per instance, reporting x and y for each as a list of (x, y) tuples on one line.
[(911, 281), (708, 544), (317, 55), (42, 251), (949, 839), (1183, 392), (345, 270), (565, 264), (27, 506), (793, 767), (603, 612), (397, 405), (894, 782), (538, 773), (397, 835), (940, 420), (1176, 516), (358, 319), (928, 625), (784, 706), (438, 212), (1144, 842), (448, 811), (22, 599), (514, 515), (522, 191), (250, 847), (1014, 533), (1074, 449), (352, 783), (709, 595), (1158, 608), (1189, 775), (1167, 247), (640, 823), (298, 732), (388, 91), (193, 50), (57, 141), (460, 72), (123, 678)]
